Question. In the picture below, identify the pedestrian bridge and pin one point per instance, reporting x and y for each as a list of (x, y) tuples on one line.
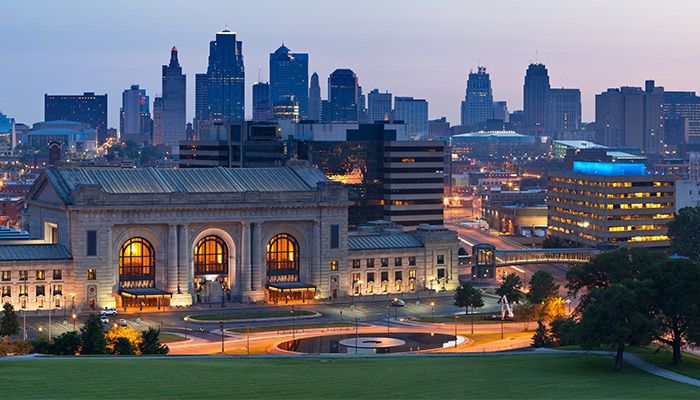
[(505, 258)]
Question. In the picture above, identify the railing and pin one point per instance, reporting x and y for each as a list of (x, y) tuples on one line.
[(541, 256)]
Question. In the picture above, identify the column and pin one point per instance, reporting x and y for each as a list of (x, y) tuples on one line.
[(257, 266), (185, 272), (245, 281), (172, 271)]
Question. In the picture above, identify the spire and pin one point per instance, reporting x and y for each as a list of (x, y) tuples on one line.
[(173, 57)]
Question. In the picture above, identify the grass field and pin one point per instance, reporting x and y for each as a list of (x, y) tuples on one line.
[(517, 376), (288, 327), (663, 358), (252, 314), (171, 338)]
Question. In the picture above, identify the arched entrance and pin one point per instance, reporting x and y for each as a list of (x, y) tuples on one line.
[(137, 275), (282, 262), (211, 270)]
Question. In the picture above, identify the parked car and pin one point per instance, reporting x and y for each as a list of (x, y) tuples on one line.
[(122, 322), (104, 319), (398, 303), (109, 311)]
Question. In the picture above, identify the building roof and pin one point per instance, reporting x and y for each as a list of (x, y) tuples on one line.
[(377, 242), (579, 144), (7, 233), (185, 180), (33, 252)]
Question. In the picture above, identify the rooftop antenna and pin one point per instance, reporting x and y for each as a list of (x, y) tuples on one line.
[(259, 74)]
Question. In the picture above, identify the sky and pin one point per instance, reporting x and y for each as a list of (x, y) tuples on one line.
[(423, 49)]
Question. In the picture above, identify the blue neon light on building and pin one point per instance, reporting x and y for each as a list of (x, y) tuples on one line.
[(609, 169)]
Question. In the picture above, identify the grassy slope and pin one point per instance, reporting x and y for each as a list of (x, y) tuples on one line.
[(528, 376), (663, 358)]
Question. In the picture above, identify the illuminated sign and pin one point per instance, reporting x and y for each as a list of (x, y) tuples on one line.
[(609, 169)]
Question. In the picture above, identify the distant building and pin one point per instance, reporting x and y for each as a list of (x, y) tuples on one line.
[(414, 113), (135, 124), (201, 107), (439, 129), (262, 107), (174, 117), (286, 108), (314, 111), (378, 106), (500, 111), (342, 96), (226, 89), (682, 115), (8, 138), (489, 144), (563, 112), (477, 106), (631, 117), (535, 91), (157, 121), (289, 76), (687, 194), (87, 108), (72, 136)]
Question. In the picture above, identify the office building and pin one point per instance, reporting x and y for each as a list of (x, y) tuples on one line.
[(477, 106), (87, 108), (174, 111), (439, 129), (500, 111), (157, 121), (287, 108), (8, 138), (226, 89), (201, 107), (314, 111), (378, 106), (682, 115), (414, 113), (535, 91), (342, 96), (262, 108), (631, 117), (289, 76), (563, 112), (598, 200), (135, 114)]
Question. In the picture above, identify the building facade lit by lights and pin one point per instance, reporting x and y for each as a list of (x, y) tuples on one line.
[(602, 201)]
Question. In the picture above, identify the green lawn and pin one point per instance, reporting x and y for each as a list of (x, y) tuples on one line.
[(664, 356), (171, 338), (288, 327), (502, 377), (249, 314)]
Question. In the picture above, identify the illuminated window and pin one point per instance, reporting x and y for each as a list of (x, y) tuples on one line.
[(57, 274), (6, 276), (137, 263), (211, 256), (6, 291), (334, 265), (91, 274), (282, 257), (40, 275), (23, 275)]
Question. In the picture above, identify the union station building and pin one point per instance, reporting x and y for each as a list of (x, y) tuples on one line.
[(97, 237)]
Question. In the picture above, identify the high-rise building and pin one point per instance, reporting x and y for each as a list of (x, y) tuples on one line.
[(414, 113), (314, 110), (289, 76), (286, 109), (261, 102), (500, 111), (226, 89), (378, 106), (361, 105), (87, 108), (682, 114), (563, 111), (631, 117), (157, 121), (201, 108), (135, 116), (477, 106), (535, 91), (174, 103), (439, 129), (8, 138), (342, 95)]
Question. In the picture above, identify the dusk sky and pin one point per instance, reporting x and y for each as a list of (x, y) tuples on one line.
[(423, 48)]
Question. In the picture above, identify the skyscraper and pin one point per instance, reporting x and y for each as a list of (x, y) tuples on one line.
[(314, 110), (535, 91), (342, 96), (157, 121), (477, 106), (378, 106), (414, 113), (201, 108), (682, 115), (8, 138), (289, 76), (174, 103), (87, 108), (261, 102), (563, 112), (226, 89), (135, 116)]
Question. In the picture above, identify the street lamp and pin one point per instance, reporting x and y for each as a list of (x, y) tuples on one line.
[(568, 305), (74, 318), (456, 317), (432, 311), (221, 325), (292, 322)]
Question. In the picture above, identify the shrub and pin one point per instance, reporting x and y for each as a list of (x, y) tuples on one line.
[(564, 331)]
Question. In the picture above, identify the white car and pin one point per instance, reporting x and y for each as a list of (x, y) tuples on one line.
[(398, 303), (104, 319), (109, 311), (122, 322)]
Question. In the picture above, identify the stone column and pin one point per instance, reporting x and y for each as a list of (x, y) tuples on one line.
[(172, 262), (185, 271), (245, 280), (109, 285), (257, 267)]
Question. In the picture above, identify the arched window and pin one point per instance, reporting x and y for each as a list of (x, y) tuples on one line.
[(211, 256), (137, 263), (282, 256)]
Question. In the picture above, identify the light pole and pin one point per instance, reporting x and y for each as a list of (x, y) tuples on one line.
[(456, 330), (221, 325), (293, 335), (432, 311), (388, 311), (74, 318), (568, 305), (356, 334), (24, 324), (50, 310)]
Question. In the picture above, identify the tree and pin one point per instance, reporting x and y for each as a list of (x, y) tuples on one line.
[(552, 242), (9, 325), (542, 337), (123, 347), (684, 232), (564, 331), (542, 287), (675, 301), (67, 344), (468, 296), (608, 268), (92, 336), (617, 315), (510, 287), (133, 336), (151, 342)]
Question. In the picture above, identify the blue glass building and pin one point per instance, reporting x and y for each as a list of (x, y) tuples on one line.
[(226, 78), (289, 76), (342, 96)]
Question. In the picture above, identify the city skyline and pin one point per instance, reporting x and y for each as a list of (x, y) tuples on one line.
[(103, 62)]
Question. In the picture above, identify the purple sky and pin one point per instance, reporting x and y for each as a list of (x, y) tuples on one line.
[(412, 48)]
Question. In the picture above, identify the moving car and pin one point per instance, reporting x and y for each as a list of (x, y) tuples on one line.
[(398, 303), (104, 319), (109, 311), (122, 322)]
